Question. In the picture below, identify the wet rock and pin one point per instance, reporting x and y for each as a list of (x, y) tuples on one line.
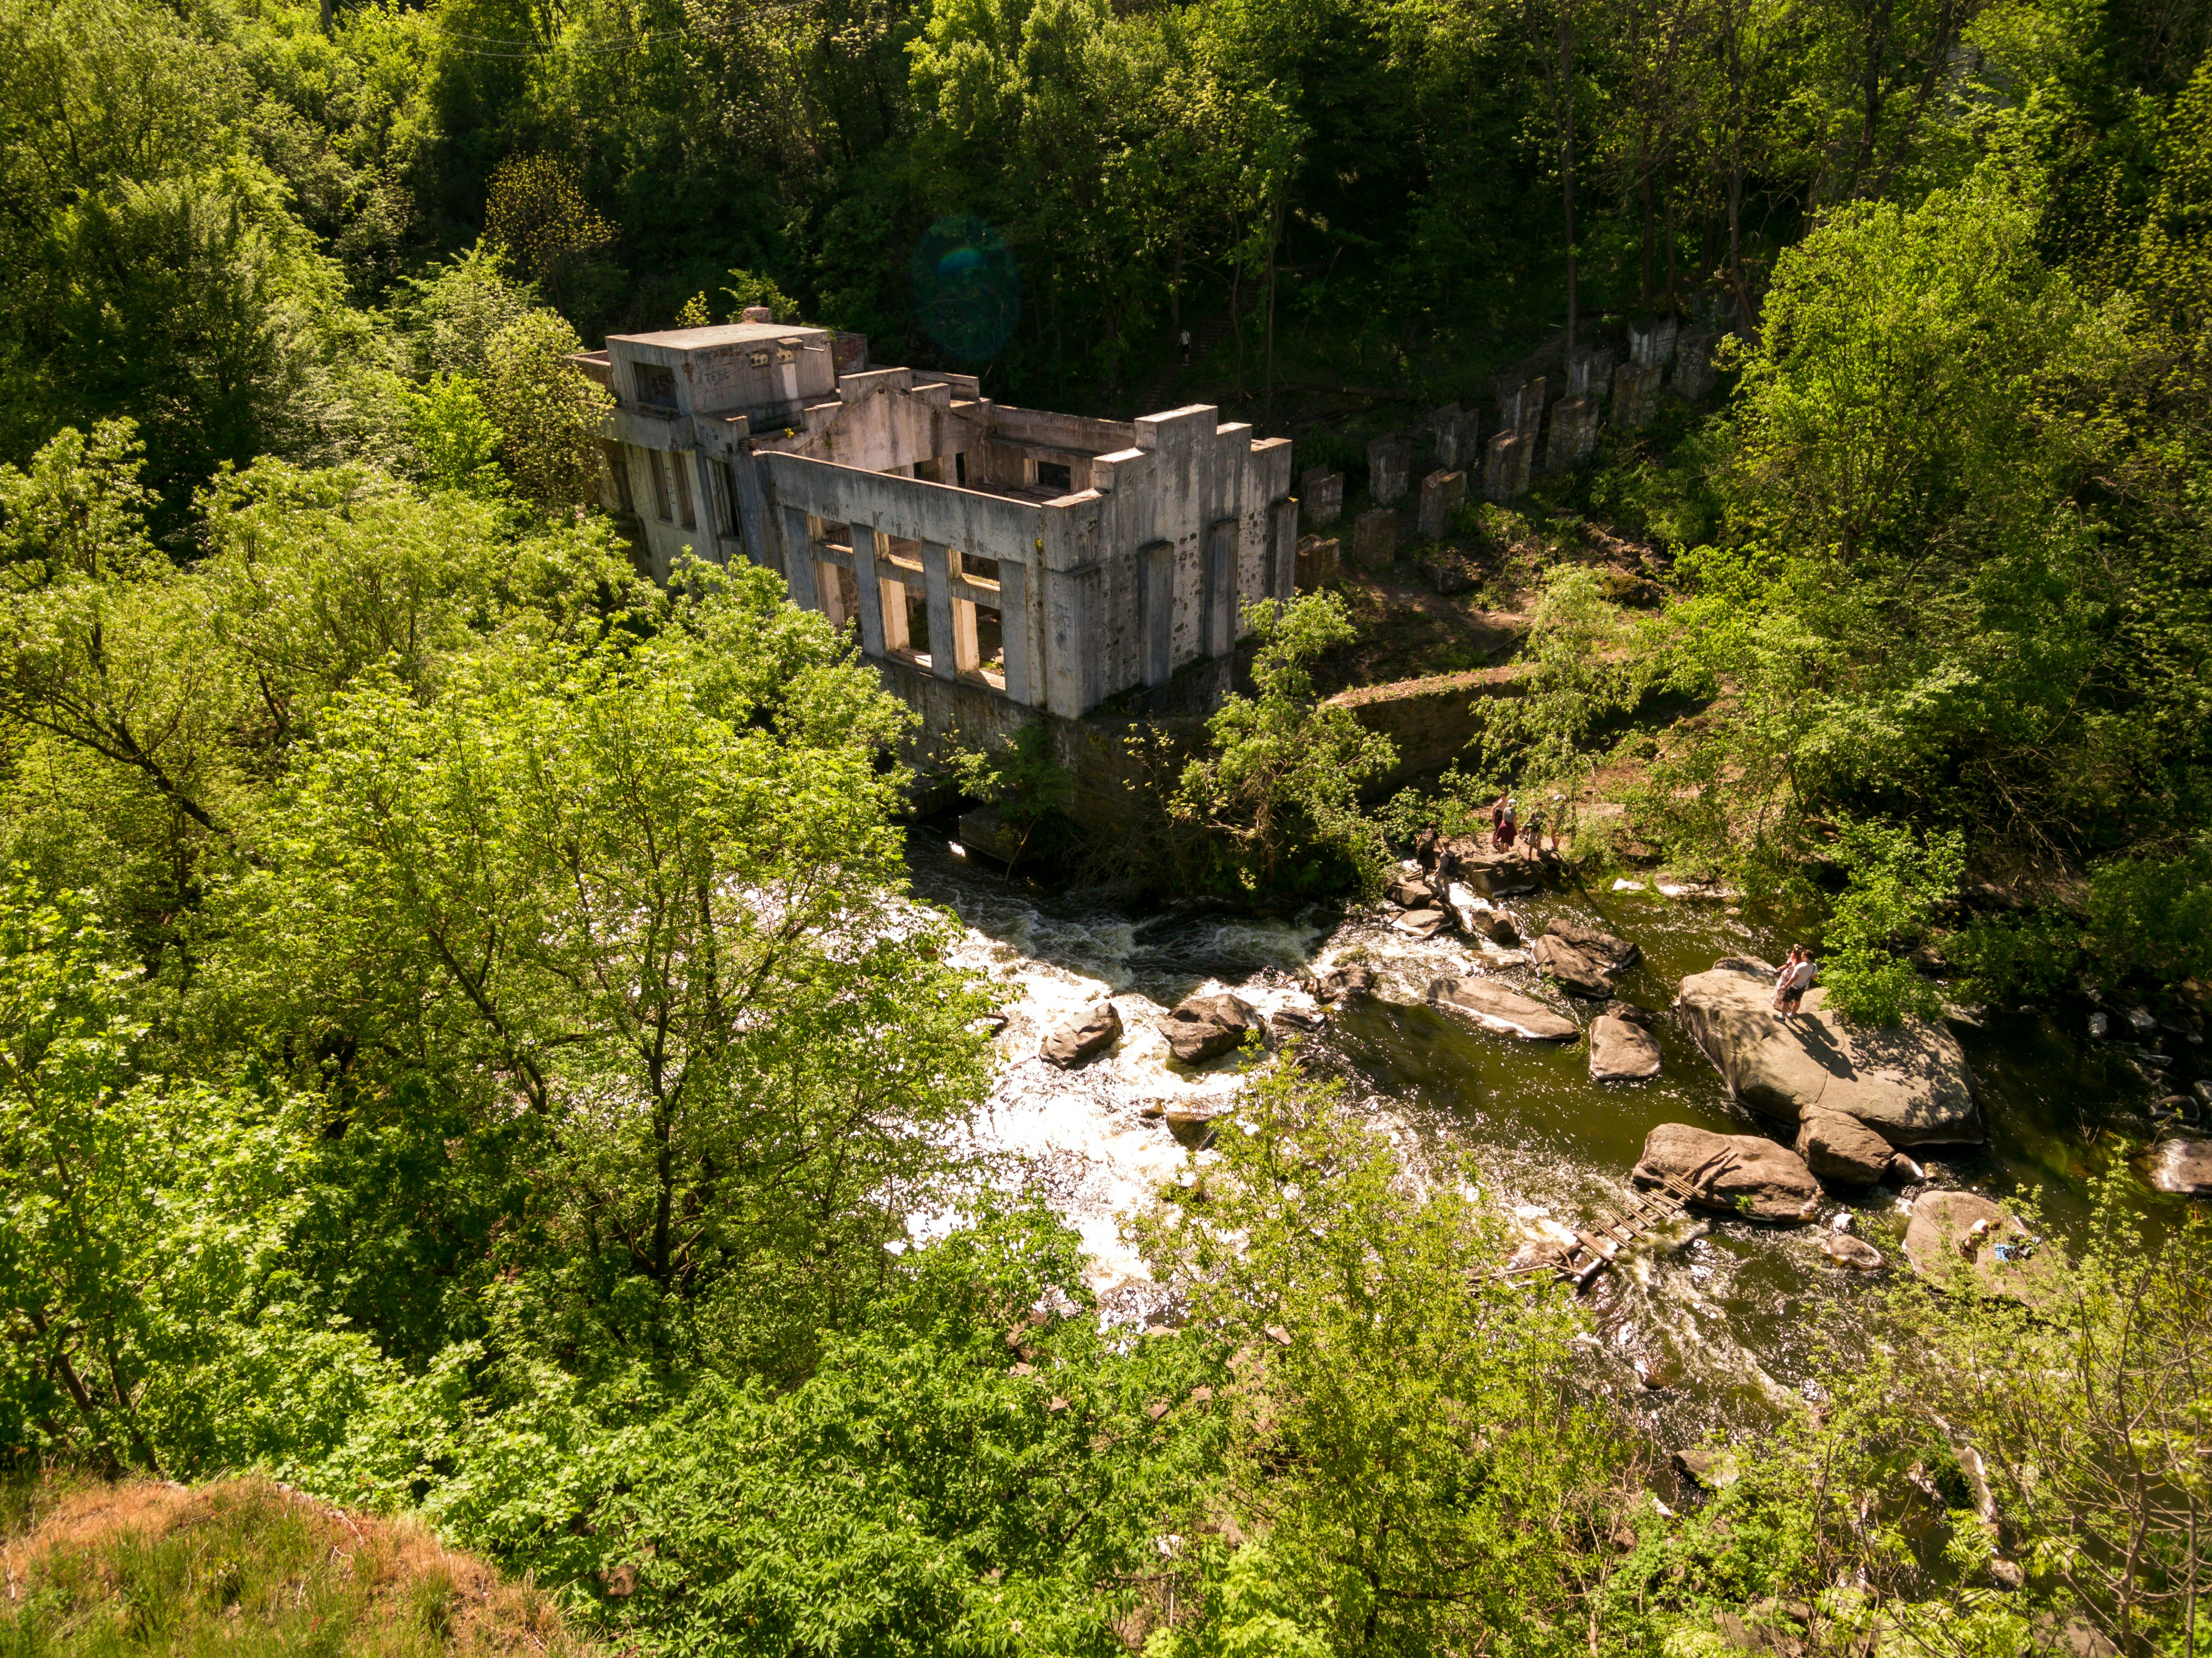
[(1744, 1175), (1908, 1083), (2183, 1167), (1633, 1014), (1842, 1148), (1490, 871), (1301, 1018), (1612, 955), (1192, 1126), (1621, 1052), (1411, 891), (1856, 1254), (1958, 1236), (1344, 983), (1201, 1028), (1928, 960), (1568, 967), (1493, 1007), (984, 829), (1421, 923), (1070, 1044), (2142, 1022), (2101, 1023)]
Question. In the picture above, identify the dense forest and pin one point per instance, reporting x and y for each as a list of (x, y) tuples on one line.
[(469, 1046)]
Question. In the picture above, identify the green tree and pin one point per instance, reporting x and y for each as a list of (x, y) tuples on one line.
[(1279, 792), (548, 414)]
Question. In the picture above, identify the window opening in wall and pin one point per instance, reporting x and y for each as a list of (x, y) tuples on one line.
[(617, 459), (656, 385), (657, 463), (960, 468), (1055, 475), (990, 647), (683, 509), (733, 526), (931, 471), (917, 625), (983, 569)]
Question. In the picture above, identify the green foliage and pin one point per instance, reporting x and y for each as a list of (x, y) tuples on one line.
[(1411, 1452), (2152, 916), (1278, 795), (751, 287), (1893, 883), (547, 413), (453, 434)]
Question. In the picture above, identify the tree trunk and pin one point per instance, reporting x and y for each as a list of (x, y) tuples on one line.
[(1175, 293), (1275, 235), (1567, 154)]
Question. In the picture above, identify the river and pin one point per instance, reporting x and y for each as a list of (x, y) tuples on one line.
[(1719, 1314)]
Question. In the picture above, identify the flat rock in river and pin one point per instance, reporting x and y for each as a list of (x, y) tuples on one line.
[(1613, 955), (1093, 1032), (1201, 1028), (1908, 1083), (2182, 1167), (1494, 1007), (1855, 1253), (1621, 1052), (1959, 1237), (1842, 1148), (1742, 1175), (1344, 983), (1489, 871), (1569, 968)]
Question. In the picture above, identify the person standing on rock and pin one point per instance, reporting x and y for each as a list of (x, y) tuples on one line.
[(1508, 825), (1795, 979), (1497, 822)]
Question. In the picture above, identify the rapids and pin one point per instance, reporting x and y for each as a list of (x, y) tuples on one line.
[(1704, 1329)]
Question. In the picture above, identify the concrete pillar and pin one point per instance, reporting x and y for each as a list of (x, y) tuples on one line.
[(937, 592), (1589, 371), (1635, 394), (1651, 343), (1014, 632), (1317, 564), (1156, 609), (1375, 538), (1455, 429), (1321, 495), (1387, 460), (1220, 618), (1506, 467), (1694, 374), (1282, 573), (967, 653), (1574, 433), (798, 560), (1443, 494), (866, 548)]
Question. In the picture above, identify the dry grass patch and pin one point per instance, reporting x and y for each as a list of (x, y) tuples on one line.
[(246, 1568)]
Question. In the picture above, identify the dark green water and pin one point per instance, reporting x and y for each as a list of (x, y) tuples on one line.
[(1725, 1313)]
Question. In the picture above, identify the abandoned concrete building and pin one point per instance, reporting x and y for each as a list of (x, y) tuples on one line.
[(995, 560)]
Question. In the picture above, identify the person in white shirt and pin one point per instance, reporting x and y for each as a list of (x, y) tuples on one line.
[(1795, 979)]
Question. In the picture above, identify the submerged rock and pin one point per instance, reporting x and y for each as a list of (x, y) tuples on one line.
[(1613, 955), (1569, 968), (1621, 1052), (1960, 1237), (1493, 1007), (1421, 923), (1201, 1028), (1070, 1044), (1744, 1175), (1633, 1014), (1344, 983), (1908, 1083), (1855, 1253), (2182, 1167), (1842, 1148)]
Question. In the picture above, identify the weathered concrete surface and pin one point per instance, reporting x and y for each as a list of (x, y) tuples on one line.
[(1910, 1084), (1387, 460), (1319, 564), (1321, 497), (1430, 722), (1443, 494), (1490, 1006), (1621, 1052), (1375, 538), (1744, 1175), (1505, 466)]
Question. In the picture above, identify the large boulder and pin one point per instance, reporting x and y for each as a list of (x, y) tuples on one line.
[(1958, 1238), (2182, 1167), (1490, 871), (1744, 1175), (1842, 1148), (1070, 1044), (1344, 983), (1621, 1052), (1855, 1255), (1613, 955), (1421, 923), (1493, 1007), (1569, 969), (1201, 1028), (1410, 891), (1908, 1083)]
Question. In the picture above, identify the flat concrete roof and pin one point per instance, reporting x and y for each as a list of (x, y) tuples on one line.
[(728, 333)]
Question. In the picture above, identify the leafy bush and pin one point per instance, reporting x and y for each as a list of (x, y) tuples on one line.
[(1894, 883)]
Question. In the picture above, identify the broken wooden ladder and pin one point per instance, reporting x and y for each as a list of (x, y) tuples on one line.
[(1595, 1249)]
